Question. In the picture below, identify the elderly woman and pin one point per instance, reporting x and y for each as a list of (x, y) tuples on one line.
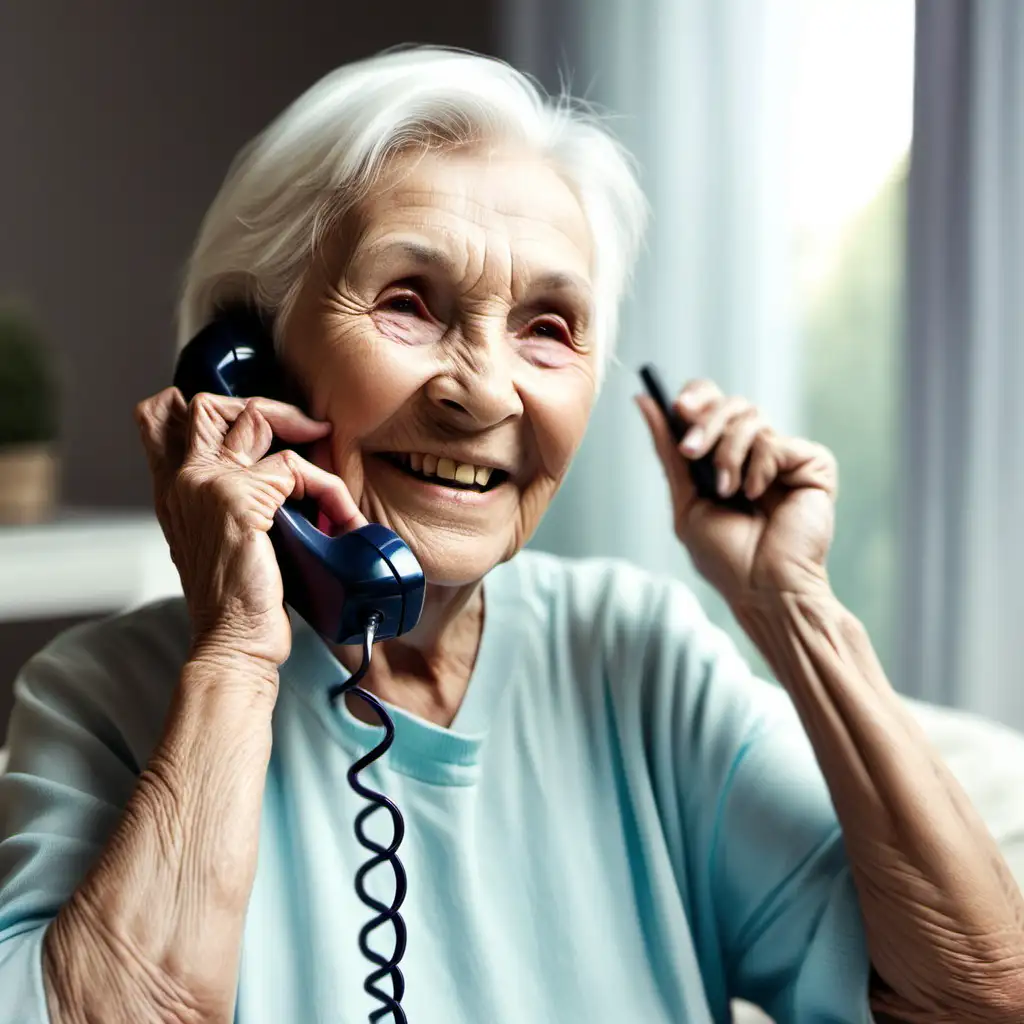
[(608, 818)]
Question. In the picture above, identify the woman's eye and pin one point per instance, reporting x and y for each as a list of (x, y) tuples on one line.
[(550, 329), (403, 304)]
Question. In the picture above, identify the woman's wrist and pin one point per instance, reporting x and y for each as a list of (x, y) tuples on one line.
[(770, 583), (781, 623), (779, 608), (217, 663)]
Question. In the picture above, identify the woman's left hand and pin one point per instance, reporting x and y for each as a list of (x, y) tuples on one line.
[(792, 482)]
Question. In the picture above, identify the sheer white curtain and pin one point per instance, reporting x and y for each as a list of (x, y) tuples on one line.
[(701, 94), (964, 379)]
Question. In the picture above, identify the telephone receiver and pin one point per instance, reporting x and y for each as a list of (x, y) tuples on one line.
[(337, 584)]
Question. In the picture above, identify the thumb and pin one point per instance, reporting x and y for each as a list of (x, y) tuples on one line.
[(677, 472)]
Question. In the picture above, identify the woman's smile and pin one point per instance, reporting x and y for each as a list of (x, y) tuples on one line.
[(426, 479), (462, 474)]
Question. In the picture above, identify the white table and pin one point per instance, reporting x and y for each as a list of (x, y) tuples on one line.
[(82, 563)]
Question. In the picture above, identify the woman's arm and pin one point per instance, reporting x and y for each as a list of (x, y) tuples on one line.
[(154, 931), (944, 917)]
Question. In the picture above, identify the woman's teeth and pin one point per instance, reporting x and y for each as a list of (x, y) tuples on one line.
[(462, 473), (458, 474)]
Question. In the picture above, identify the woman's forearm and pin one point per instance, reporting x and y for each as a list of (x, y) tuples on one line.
[(153, 933), (943, 915)]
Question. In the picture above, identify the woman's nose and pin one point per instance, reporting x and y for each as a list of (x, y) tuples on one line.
[(479, 392)]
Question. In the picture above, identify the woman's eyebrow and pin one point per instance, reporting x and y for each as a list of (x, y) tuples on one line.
[(573, 287), (415, 253), (561, 281)]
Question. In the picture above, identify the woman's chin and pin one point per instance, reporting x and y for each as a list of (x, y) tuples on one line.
[(456, 548), (458, 562)]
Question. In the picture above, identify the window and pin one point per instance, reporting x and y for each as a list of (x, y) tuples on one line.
[(851, 135)]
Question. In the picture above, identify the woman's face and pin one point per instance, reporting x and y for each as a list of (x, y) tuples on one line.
[(447, 337)]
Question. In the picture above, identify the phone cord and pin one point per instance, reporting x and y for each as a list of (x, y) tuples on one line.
[(384, 913)]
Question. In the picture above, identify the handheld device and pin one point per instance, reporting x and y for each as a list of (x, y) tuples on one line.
[(360, 587), (702, 470)]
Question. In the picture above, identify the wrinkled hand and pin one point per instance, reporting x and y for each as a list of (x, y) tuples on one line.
[(792, 481), (216, 491)]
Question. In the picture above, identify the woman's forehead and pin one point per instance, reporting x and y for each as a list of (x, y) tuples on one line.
[(442, 204)]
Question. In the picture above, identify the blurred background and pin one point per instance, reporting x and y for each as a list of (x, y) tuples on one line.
[(838, 196)]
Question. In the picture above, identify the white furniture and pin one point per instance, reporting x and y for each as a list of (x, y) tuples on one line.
[(82, 563)]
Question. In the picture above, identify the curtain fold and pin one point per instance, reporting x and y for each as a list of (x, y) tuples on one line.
[(963, 551)]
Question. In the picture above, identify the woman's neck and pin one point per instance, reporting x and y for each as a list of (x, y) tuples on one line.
[(427, 671)]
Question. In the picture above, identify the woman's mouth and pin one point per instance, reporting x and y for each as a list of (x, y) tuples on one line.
[(460, 476)]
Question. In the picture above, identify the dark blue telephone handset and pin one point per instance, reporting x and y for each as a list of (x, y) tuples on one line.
[(334, 583)]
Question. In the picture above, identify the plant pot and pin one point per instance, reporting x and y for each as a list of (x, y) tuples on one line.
[(28, 482)]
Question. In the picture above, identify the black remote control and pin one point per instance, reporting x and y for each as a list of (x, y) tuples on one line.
[(702, 471)]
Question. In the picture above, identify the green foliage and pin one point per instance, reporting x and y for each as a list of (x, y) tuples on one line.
[(28, 388), (853, 335)]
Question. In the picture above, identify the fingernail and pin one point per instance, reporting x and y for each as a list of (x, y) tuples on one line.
[(692, 440), (723, 482), (687, 400)]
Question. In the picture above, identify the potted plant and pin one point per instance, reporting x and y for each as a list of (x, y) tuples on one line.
[(28, 420)]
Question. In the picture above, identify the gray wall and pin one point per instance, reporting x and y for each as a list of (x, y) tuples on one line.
[(117, 122)]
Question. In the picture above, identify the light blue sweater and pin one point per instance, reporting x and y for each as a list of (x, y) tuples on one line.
[(622, 825)]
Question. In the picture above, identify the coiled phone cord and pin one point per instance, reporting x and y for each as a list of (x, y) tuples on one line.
[(384, 913)]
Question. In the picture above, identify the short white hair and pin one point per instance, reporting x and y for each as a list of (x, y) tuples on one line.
[(291, 183)]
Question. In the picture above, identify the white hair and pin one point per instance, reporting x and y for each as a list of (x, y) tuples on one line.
[(290, 184)]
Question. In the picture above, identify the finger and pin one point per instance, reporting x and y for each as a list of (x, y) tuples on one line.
[(792, 462), (803, 463), (288, 422), (298, 478), (211, 417), (696, 398), (703, 436), (733, 449), (763, 468), (161, 420), (676, 471), (250, 436)]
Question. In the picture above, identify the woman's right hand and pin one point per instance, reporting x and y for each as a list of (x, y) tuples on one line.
[(216, 492)]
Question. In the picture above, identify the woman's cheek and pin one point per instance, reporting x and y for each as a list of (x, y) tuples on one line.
[(550, 352), (407, 330), (560, 413)]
